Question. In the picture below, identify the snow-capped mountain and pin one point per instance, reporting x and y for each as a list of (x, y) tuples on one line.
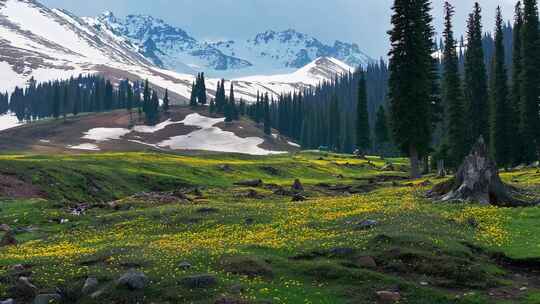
[(270, 52), (50, 44)]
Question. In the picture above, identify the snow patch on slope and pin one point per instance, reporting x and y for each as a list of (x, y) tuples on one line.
[(8, 121), (105, 134), (211, 138)]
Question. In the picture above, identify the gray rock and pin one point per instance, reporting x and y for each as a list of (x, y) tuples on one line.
[(199, 281), (47, 299), (5, 227), (388, 296), (90, 286), (367, 224), (185, 265), (133, 280), (366, 262), (297, 186), (8, 301)]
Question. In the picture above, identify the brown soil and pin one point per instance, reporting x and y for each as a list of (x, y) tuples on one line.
[(54, 136), (11, 186)]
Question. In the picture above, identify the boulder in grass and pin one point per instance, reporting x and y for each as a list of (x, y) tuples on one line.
[(133, 280), (47, 299), (90, 286), (297, 186), (8, 239)]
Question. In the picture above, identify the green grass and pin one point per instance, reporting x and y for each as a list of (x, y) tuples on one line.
[(294, 245)]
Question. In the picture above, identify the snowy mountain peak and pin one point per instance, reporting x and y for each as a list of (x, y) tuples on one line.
[(270, 52)]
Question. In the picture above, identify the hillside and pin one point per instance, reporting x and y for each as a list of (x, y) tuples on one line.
[(356, 233), (181, 130)]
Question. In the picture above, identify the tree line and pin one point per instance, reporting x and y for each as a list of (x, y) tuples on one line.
[(83, 94), (491, 101)]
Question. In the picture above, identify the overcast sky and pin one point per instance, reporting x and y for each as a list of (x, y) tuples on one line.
[(362, 21)]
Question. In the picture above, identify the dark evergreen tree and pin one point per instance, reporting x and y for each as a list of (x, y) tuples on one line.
[(501, 145), (65, 103), (382, 134), (476, 89), (166, 105), (193, 97), (363, 138), (201, 97), (514, 123), (411, 78), (267, 120), (530, 79), (452, 96), (334, 139)]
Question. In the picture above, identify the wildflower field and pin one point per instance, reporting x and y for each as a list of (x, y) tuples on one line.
[(259, 243)]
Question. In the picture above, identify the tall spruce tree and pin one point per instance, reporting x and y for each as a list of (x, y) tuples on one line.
[(514, 123), (411, 78), (202, 90), (193, 96), (382, 135), (65, 102), (166, 102), (456, 134), (267, 118), (530, 80), (334, 129), (501, 145), (476, 88), (363, 138)]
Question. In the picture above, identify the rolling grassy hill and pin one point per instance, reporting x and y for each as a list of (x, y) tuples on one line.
[(201, 238)]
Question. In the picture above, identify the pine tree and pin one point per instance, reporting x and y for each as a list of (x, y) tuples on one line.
[(411, 78), (476, 89), (108, 96), (530, 79), (363, 138), (166, 102), (65, 102), (267, 120), (500, 107), (146, 106), (334, 125), (77, 101), (130, 101), (516, 138), (382, 135), (193, 97), (452, 95), (202, 90)]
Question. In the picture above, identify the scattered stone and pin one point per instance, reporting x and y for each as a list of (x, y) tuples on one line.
[(388, 296), (133, 280), (24, 288), (367, 224), (185, 265), (5, 228), (472, 222), (340, 176), (298, 198), (90, 286), (250, 183), (297, 186), (8, 301), (249, 221), (199, 281), (523, 288), (79, 210), (8, 239), (47, 299), (366, 262), (424, 283), (425, 183)]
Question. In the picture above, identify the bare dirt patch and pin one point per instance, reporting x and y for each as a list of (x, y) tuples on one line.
[(12, 187)]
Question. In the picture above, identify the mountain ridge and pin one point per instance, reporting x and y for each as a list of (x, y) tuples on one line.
[(270, 52)]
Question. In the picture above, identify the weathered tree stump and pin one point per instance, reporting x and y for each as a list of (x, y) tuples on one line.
[(477, 180)]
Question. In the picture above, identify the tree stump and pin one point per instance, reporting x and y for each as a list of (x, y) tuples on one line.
[(477, 180)]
